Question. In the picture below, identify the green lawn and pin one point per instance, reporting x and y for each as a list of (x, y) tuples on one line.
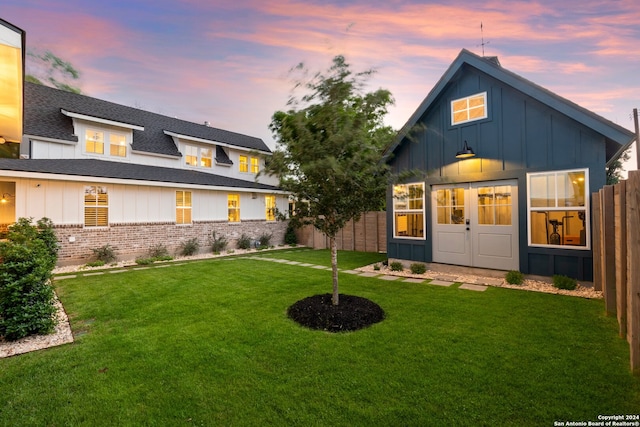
[(209, 343)]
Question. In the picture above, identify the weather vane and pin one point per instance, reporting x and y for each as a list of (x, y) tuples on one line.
[(482, 38)]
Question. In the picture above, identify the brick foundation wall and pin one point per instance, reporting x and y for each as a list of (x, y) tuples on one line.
[(134, 240)]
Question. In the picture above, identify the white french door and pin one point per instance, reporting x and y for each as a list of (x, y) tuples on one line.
[(476, 224)]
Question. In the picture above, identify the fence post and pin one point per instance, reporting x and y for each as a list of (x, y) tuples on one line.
[(620, 215), (597, 241), (608, 250), (633, 268)]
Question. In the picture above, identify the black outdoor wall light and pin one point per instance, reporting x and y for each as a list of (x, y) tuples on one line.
[(466, 152)]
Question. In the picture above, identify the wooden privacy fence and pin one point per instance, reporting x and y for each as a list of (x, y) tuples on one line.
[(369, 234), (616, 256)]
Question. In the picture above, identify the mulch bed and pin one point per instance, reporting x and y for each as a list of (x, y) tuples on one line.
[(352, 313)]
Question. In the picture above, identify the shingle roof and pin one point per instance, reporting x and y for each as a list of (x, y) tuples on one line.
[(43, 117), (615, 136), (130, 171)]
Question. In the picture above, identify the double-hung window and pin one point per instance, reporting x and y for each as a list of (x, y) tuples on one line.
[(270, 207), (408, 211), (255, 165), (198, 156), (96, 142), (559, 209), (243, 164), (96, 206), (183, 207), (233, 207)]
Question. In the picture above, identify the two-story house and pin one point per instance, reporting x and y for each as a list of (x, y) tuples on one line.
[(110, 174)]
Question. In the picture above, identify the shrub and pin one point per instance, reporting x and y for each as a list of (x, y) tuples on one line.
[(218, 243), (376, 267), (396, 266), (145, 261), (514, 277), (564, 282), (418, 268), (97, 263), (105, 253), (28, 257), (265, 240), (158, 252), (290, 237), (189, 247), (244, 242)]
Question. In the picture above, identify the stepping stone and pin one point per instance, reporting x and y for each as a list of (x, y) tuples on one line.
[(306, 265), (472, 287), (447, 278), (117, 271), (389, 278), (140, 268), (93, 274), (64, 277), (319, 267), (369, 275), (294, 263), (438, 282), (413, 280), (163, 266), (351, 272)]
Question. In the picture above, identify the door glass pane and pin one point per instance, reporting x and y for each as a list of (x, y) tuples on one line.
[(450, 206), (486, 206), (503, 215)]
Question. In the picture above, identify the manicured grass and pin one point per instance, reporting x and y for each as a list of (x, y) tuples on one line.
[(209, 343)]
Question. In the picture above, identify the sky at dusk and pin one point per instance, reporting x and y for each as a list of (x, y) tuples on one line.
[(228, 62)]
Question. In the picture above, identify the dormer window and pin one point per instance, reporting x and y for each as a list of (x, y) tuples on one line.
[(469, 109), (95, 141), (198, 156)]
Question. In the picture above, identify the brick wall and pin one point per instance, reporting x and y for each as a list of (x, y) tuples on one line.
[(134, 240)]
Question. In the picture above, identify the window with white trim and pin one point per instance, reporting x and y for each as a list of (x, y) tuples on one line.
[(270, 207), (233, 207), (559, 209), (243, 164), (408, 211), (255, 165), (96, 206), (198, 156), (183, 207), (99, 142), (469, 108)]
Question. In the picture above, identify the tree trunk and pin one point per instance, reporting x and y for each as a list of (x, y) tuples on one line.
[(334, 269)]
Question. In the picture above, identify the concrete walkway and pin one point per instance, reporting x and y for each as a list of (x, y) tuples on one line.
[(443, 280)]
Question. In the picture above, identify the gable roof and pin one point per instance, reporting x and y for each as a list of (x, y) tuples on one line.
[(44, 117), (94, 168), (616, 136)]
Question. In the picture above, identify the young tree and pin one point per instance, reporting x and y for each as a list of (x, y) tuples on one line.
[(614, 172), (46, 68), (330, 145)]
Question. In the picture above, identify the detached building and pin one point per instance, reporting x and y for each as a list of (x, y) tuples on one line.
[(507, 169)]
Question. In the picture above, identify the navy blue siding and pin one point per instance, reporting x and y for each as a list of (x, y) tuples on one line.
[(520, 135)]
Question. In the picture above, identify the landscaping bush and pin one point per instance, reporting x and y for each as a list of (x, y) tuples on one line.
[(145, 261), (290, 237), (564, 282), (244, 242), (418, 268), (265, 240), (396, 266), (218, 243), (189, 247), (514, 277), (97, 263), (27, 257), (105, 253), (159, 252), (376, 267)]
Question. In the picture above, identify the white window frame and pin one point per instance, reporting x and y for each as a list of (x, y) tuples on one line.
[(243, 166), (409, 210), (106, 142), (270, 208), (184, 207), (96, 206), (234, 208), (468, 109), (585, 208), (192, 150)]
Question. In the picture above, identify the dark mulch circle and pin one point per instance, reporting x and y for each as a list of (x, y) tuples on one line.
[(352, 313)]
